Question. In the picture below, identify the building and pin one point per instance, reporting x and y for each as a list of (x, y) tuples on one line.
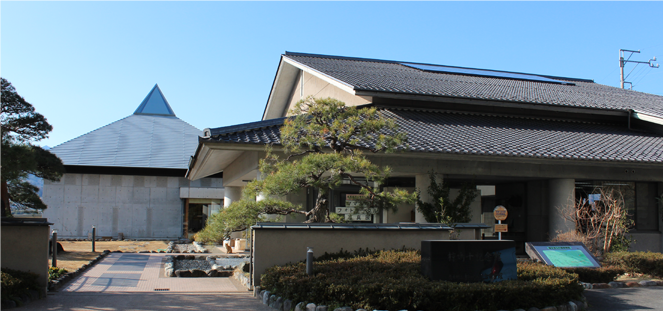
[(533, 143), (127, 178)]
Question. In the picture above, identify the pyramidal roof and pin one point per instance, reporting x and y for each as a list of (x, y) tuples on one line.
[(152, 137), (155, 103)]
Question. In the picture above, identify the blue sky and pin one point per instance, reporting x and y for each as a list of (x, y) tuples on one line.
[(86, 64)]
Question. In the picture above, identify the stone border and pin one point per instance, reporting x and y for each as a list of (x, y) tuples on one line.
[(620, 284), (56, 284), (278, 303), (215, 271), (199, 248)]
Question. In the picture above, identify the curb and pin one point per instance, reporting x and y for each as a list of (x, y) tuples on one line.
[(619, 284), (56, 284)]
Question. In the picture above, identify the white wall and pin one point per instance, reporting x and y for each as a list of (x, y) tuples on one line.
[(137, 206)]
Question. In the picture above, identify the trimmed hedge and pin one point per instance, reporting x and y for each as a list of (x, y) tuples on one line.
[(17, 283), (391, 280), (604, 274), (636, 262)]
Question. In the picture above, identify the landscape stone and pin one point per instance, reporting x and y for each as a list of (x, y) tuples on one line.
[(648, 283), (278, 304), (549, 309), (343, 309), (601, 285), (632, 284), (212, 273), (321, 308), (581, 305), (261, 294), (573, 306), (287, 305), (562, 308), (272, 300), (617, 284), (300, 306), (310, 307), (265, 297)]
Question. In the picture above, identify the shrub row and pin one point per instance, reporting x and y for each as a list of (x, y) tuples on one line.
[(17, 283), (55, 272), (636, 262), (604, 274), (391, 280)]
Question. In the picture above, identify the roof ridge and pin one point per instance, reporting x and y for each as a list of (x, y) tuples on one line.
[(243, 127)]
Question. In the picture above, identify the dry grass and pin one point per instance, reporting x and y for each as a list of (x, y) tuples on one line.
[(78, 253)]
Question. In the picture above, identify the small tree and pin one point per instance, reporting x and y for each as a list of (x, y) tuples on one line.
[(21, 126), (601, 225), (323, 145), (443, 209)]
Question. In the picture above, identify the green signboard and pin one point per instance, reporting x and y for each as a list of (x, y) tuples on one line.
[(562, 254)]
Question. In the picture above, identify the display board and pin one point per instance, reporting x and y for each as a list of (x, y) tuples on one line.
[(562, 254)]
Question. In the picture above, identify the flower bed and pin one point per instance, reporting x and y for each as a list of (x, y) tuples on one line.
[(391, 280)]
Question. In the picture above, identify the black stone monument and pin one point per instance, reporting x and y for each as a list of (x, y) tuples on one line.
[(469, 261)]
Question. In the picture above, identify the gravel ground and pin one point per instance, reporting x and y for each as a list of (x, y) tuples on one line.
[(190, 264)]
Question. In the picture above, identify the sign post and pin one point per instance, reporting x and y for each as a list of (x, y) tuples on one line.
[(500, 214)]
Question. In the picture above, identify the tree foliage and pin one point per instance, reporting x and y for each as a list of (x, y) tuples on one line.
[(323, 144), (21, 126), (443, 209)]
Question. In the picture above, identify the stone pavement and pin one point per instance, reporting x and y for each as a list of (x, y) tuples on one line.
[(130, 272), (632, 298), (136, 301)]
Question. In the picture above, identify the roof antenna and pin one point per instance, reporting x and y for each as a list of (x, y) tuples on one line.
[(623, 62)]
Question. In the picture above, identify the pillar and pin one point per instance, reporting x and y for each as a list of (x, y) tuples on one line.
[(422, 182), (231, 194), (561, 206)]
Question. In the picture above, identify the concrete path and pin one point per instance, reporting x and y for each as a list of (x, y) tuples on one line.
[(130, 272), (633, 298), (111, 301)]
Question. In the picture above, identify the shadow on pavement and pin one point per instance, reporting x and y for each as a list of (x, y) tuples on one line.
[(638, 298)]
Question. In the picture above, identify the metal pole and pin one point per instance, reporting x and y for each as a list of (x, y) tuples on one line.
[(309, 261), (621, 70), (54, 246), (499, 234), (94, 237)]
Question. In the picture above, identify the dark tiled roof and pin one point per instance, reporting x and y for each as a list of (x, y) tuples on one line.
[(391, 76), (477, 134)]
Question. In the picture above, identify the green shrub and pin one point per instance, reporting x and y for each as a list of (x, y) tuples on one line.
[(636, 262), (55, 272), (391, 280), (16, 283), (604, 274)]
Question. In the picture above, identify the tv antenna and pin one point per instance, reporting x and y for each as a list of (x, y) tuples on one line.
[(622, 63)]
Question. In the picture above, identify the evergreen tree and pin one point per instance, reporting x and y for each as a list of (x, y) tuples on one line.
[(323, 144), (22, 126)]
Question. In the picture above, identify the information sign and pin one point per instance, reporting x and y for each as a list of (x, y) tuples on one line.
[(500, 212), (502, 228), (562, 254)]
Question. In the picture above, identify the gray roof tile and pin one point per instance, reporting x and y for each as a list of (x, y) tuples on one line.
[(392, 76), (504, 136)]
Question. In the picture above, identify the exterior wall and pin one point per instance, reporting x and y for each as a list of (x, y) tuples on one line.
[(318, 88), (281, 246), (25, 248), (137, 206)]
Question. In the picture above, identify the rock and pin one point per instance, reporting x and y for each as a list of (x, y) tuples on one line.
[(261, 294), (600, 285), (278, 304), (519, 310), (169, 272), (321, 308), (647, 283), (196, 273), (300, 306), (212, 273), (572, 306), (287, 305), (310, 307), (272, 300), (265, 297), (632, 284), (617, 284), (549, 309), (562, 308)]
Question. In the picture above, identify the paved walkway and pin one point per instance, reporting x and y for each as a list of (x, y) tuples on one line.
[(633, 298), (128, 272)]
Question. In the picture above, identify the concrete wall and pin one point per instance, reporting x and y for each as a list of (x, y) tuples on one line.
[(281, 246), (25, 248), (318, 88), (137, 206)]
